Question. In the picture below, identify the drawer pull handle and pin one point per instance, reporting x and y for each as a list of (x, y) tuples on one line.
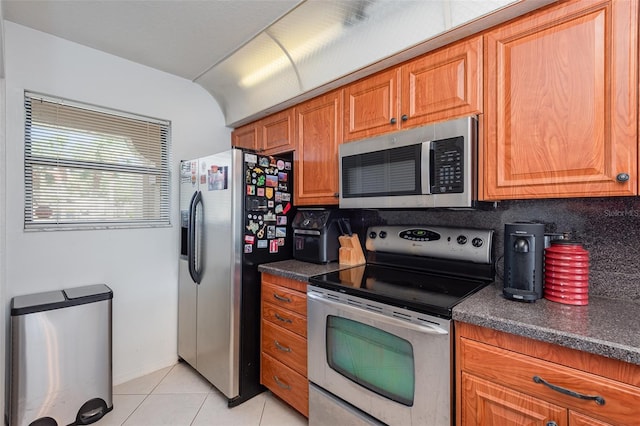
[(281, 298), (597, 398), (281, 348), (287, 320), (282, 385)]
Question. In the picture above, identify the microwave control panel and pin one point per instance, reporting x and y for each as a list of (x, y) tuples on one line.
[(447, 165)]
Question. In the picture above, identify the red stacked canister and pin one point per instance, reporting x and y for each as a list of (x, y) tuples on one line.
[(566, 273)]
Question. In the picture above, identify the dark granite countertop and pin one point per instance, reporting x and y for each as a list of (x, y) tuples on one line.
[(604, 327), (298, 270)]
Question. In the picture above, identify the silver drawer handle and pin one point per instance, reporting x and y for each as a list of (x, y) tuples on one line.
[(281, 348), (287, 320), (282, 385), (597, 398), (281, 298)]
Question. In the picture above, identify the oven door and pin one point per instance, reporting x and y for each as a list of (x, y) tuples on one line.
[(396, 370)]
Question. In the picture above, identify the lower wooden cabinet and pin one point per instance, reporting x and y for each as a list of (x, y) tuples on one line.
[(283, 361), (506, 380), (487, 403)]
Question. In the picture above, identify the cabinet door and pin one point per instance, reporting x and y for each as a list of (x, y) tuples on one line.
[(288, 384), (442, 85), (560, 110), (371, 106), (277, 132), (485, 404), (578, 419), (319, 133), (247, 137)]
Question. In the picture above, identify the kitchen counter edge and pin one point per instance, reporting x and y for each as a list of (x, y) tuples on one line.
[(299, 270), (604, 327)]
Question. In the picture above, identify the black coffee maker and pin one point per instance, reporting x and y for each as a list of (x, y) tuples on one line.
[(523, 260)]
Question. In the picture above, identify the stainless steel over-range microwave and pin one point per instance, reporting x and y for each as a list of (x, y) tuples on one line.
[(429, 166)]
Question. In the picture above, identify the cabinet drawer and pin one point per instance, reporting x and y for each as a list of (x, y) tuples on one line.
[(285, 346), (285, 298), (292, 387), (284, 318), (517, 371)]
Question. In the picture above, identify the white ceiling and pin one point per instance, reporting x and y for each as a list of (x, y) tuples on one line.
[(181, 37)]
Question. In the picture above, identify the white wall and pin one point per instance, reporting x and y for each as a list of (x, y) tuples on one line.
[(140, 265), (3, 313)]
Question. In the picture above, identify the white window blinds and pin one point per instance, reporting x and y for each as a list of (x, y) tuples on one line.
[(90, 167)]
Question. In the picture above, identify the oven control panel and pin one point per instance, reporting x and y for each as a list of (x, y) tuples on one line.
[(466, 244)]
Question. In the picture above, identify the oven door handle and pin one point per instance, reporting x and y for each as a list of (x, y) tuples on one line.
[(422, 328)]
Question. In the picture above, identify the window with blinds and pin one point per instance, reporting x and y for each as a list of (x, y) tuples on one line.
[(88, 167)]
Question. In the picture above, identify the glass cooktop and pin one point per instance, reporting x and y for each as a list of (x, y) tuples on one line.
[(418, 291)]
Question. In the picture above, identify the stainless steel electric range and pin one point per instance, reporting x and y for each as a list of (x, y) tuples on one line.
[(380, 334)]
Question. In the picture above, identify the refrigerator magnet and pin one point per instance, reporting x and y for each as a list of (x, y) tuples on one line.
[(270, 204), (250, 158), (283, 177), (248, 248), (271, 232), (273, 246), (251, 190), (287, 165), (260, 192), (272, 181), (268, 193), (280, 242), (262, 244), (281, 220), (281, 231), (264, 162), (249, 239), (280, 165), (253, 227)]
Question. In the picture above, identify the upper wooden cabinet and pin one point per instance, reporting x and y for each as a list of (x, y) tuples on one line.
[(371, 106), (561, 103), (318, 124), (440, 85), (246, 137), (271, 135), (277, 132)]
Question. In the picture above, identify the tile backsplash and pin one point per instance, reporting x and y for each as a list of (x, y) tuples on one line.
[(609, 228)]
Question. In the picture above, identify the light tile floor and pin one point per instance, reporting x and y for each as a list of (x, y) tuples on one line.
[(178, 395)]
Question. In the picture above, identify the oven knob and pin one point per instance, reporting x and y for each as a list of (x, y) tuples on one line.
[(461, 239), (383, 234), (372, 235), (477, 242)]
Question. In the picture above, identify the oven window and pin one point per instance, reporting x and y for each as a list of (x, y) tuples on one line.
[(373, 358)]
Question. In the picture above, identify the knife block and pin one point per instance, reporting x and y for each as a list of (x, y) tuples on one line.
[(350, 252)]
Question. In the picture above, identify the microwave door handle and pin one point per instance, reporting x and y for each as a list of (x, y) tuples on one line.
[(427, 178), (424, 328)]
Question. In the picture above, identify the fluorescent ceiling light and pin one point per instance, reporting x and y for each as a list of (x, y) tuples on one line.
[(291, 56)]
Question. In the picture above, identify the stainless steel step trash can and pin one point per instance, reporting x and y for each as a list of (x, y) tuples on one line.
[(60, 361)]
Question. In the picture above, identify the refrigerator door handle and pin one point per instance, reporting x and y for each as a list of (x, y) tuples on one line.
[(193, 236)]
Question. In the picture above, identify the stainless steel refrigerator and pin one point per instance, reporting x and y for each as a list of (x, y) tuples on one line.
[(235, 212)]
